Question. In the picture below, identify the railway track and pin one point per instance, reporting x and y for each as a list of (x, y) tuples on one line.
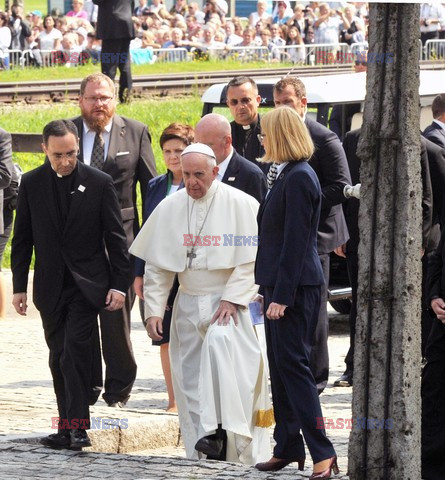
[(158, 85)]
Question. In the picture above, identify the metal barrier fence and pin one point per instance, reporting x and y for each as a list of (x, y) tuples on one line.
[(434, 49), (308, 54)]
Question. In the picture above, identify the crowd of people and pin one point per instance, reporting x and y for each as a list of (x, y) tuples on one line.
[(199, 270), (184, 25)]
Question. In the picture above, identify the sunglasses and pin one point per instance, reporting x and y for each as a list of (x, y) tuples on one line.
[(244, 101), (365, 64)]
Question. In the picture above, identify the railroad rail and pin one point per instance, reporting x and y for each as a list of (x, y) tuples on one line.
[(159, 85)]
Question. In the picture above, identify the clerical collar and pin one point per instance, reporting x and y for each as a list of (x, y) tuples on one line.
[(57, 175), (210, 192), (252, 125)]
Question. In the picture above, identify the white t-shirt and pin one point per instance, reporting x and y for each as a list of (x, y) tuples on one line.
[(47, 39), (5, 40)]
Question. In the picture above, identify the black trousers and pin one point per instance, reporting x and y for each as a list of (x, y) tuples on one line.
[(427, 316), (117, 351), (352, 265), (433, 406), (69, 332), (295, 398), (319, 359), (116, 54)]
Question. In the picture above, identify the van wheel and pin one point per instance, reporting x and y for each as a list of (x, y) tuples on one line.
[(341, 306)]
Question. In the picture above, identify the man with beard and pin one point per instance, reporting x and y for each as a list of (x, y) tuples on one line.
[(120, 147)]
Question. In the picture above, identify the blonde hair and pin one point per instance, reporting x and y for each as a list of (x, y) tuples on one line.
[(288, 139)]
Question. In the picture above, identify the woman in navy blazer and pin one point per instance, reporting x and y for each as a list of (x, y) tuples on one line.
[(289, 273), (173, 141)]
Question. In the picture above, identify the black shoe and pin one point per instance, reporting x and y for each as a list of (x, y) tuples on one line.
[(344, 381), (79, 439), (56, 441), (210, 446)]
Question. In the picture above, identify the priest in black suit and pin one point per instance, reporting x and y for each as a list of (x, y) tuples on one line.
[(436, 131), (214, 130), (116, 30), (68, 213), (243, 101), (330, 165), (120, 147)]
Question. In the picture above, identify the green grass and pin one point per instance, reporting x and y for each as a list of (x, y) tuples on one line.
[(157, 114), (62, 72), (31, 5)]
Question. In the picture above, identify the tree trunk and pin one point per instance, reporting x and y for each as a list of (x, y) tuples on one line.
[(385, 440)]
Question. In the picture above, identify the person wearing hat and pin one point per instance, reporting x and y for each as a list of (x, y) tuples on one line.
[(219, 377), (78, 11)]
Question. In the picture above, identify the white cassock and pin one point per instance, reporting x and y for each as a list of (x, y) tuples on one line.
[(218, 372)]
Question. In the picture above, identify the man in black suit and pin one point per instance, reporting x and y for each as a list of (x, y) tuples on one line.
[(243, 101), (69, 214), (436, 131), (116, 30), (120, 147), (430, 235), (235, 170), (331, 167)]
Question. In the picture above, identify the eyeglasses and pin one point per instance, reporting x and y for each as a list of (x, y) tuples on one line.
[(261, 137), (244, 101), (357, 62), (102, 100), (69, 156)]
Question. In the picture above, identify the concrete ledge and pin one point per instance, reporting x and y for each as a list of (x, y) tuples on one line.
[(154, 432)]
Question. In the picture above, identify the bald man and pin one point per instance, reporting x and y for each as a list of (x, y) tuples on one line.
[(214, 131)]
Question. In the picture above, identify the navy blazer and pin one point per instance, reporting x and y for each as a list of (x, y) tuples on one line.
[(435, 133), (330, 165), (288, 218), (156, 192), (245, 176)]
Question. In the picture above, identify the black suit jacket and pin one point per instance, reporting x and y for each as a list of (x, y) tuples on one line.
[(330, 165), (435, 133), (129, 160), (114, 19), (245, 176), (252, 149), (91, 244), (351, 207), (287, 227)]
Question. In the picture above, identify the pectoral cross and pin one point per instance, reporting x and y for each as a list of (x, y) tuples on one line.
[(191, 255)]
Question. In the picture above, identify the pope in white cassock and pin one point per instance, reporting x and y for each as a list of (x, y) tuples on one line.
[(206, 233)]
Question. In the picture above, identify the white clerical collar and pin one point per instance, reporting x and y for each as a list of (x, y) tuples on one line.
[(210, 192), (107, 128), (246, 127), (223, 165), (441, 124)]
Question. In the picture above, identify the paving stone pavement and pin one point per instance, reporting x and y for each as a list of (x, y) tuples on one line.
[(28, 403)]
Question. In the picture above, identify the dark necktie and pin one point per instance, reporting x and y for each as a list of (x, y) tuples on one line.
[(272, 175), (97, 155)]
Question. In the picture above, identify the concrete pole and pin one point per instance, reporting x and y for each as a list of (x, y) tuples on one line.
[(385, 440)]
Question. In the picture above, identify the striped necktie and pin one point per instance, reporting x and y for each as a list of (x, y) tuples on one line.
[(272, 175)]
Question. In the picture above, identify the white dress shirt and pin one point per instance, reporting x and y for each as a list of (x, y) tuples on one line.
[(223, 166), (88, 141)]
